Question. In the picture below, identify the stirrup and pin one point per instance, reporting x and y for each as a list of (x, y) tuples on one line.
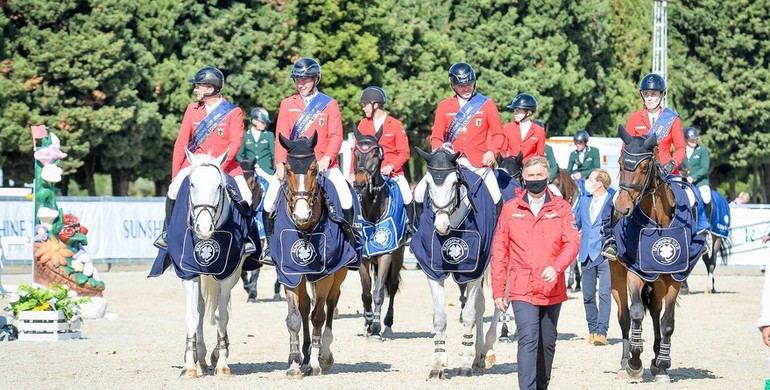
[(160, 242), (610, 252)]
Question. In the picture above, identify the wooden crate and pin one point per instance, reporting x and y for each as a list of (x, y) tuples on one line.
[(46, 326)]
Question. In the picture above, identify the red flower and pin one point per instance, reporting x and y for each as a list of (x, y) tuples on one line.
[(66, 232), (83, 230), (70, 219)]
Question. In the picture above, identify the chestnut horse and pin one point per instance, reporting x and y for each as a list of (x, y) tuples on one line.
[(642, 185)]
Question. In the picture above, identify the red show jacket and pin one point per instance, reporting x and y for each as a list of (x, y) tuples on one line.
[(524, 245), (227, 135), (328, 125), (484, 131), (394, 143), (532, 145), (639, 124)]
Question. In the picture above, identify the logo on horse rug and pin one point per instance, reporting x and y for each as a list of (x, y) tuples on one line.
[(649, 250), (465, 251), (219, 255), (385, 236)]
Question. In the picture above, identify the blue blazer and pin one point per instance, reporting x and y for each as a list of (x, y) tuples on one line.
[(591, 231)]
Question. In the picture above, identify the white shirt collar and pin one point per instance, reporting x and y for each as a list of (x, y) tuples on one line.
[(524, 127), (213, 106), (378, 122), (309, 98), (461, 101)]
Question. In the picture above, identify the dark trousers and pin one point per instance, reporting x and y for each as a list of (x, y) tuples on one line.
[(598, 319), (537, 343)]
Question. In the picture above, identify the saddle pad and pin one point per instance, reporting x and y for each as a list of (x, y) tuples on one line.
[(386, 235), (663, 250), (458, 251)]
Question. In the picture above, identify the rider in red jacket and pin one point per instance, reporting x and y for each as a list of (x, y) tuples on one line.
[(535, 241), (523, 135)]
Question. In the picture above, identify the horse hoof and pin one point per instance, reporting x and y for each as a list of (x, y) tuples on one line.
[(387, 332), (504, 340), (223, 371), (635, 373), (489, 360), (326, 363), (466, 372), (277, 297), (251, 300), (374, 337), (294, 373), (436, 374), (193, 373), (662, 378)]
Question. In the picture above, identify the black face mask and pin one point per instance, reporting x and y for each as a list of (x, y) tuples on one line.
[(536, 186)]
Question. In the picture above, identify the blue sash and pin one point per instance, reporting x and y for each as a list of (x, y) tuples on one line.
[(662, 126), (309, 115), (208, 124), (463, 117)]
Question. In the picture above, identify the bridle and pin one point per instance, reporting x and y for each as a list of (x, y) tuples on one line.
[(361, 167), (453, 203), (292, 197), (214, 211), (645, 188)]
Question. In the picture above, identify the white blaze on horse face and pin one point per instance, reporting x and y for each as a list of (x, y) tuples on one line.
[(204, 191), (301, 207), (443, 196)]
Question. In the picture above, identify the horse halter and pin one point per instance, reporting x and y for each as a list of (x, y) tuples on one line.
[(214, 211), (365, 150)]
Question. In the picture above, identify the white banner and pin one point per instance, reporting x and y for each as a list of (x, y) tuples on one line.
[(119, 228)]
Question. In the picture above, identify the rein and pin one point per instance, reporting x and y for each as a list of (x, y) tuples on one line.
[(645, 189), (214, 211), (454, 202), (292, 197)]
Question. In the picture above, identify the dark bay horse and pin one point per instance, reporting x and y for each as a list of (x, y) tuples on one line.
[(250, 278), (304, 204), (642, 186), (371, 188)]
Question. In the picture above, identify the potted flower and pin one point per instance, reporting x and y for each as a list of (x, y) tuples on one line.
[(44, 314)]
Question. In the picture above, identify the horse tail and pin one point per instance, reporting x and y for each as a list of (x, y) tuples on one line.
[(210, 295), (725, 249), (647, 296)]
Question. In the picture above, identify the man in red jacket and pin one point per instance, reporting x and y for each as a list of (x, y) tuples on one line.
[(535, 241), (307, 112), (211, 125), (471, 123), (394, 142)]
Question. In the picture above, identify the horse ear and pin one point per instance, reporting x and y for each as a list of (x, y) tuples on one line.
[(650, 142), (456, 156), (425, 155), (221, 159), (378, 135), (623, 134), (357, 133), (313, 140), (190, 156), (520, 159), (285, 142), (499, 159)]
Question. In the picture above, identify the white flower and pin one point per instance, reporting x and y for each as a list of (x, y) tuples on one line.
[(96, 275), (47, 216), (88, 269), (55, 140), (52, 302), (51, 173), (23, 293), (77, 265), (71, 294)]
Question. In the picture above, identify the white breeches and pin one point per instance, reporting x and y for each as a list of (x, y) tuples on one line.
[(705, 193), (403, 185), (486, 174), (332, 174), (173, 188)]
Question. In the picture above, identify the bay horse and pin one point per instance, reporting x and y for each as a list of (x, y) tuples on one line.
[(719, 247), (303, 207), (643, 187), (448, 197), (250, 278), (372, 190), (209, 207)]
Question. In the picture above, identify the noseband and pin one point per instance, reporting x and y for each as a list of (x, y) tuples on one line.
[(361, 168), (311, 197), (453, 203)]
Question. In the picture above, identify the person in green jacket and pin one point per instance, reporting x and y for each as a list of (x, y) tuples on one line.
[(552, 163), (583, 160), (258, 148), (696, 163)]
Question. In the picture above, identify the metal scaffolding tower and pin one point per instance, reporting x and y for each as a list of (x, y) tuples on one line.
[(660, 43)]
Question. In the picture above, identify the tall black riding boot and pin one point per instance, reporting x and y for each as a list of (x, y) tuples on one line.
[(418, 210), (410, 225), (161, 241), (709, 209), (347, 227), (268, 223)]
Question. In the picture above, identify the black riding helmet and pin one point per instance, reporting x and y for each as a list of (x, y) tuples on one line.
[(374, 95), (581, 136), (212, 76), (306, 68), (260, 114), (652, 82), (524, 101), (461, 73), (691, 133)]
